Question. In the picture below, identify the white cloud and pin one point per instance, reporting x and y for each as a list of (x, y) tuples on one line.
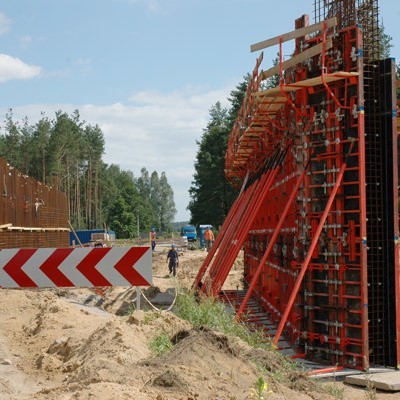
[(14, 68), (154, 130), (5, 24)]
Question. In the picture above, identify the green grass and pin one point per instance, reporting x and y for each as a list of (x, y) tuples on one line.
[(206, 313), (260, 390), (161, 344), (213, 314)]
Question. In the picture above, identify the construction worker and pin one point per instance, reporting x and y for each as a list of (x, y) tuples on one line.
[(172, 260), (209, 238), (153, 239)]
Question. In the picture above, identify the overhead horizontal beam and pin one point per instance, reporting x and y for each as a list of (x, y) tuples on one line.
[(292, 87), (297, 59), (331, 22)]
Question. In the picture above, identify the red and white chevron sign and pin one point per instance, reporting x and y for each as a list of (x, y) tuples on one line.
[(76, 267)]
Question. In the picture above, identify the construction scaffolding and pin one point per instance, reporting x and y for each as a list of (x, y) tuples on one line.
[(32, 214), (317, 215)]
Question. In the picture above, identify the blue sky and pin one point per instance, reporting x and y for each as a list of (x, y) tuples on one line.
[(146, 71)]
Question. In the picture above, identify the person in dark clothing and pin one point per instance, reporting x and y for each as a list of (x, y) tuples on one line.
[(172, 260), (153, 239)]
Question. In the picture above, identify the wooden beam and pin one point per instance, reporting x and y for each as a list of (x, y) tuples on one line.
[(5, 226), (36, 229), (297, 59), (331, 22), (292, 87)]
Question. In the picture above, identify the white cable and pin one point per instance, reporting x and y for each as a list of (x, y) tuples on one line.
[(160, 310)]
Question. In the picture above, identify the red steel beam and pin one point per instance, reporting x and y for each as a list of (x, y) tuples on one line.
[(242, 230), (236, 220), (307, 260), (243, 195), (326, 370), (230, 224), (271, 243), (363, 203)]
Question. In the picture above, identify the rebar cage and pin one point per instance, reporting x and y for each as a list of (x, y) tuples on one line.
[(33, 214)]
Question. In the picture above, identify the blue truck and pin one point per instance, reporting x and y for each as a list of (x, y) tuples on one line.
[(190, 232)]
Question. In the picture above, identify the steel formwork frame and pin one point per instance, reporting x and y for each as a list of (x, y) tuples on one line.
[(320, 246)]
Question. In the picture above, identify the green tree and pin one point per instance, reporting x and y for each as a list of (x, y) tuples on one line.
[(167, 204), (209, 201), (66, 153), (274, 80), (236, 98), (122, 216), (64, 143), (385, 42), (147, 211), (211, 195), (143, 183), (121, 219), (11, 141), (40, 147), (26, 148), (155, 199), (94, 146)]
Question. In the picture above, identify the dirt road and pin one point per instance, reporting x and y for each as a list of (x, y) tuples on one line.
[(76, 344)]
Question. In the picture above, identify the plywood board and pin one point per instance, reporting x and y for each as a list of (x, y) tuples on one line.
[(387, 381), (331, 22), (292, 87)]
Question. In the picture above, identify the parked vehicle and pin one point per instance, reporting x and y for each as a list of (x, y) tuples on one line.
[(190, 232)]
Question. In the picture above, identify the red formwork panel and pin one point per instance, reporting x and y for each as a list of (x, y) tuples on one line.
[(320, 232), (318, 112)]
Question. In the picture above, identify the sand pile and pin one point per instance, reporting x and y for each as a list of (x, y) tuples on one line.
[(93, 344)]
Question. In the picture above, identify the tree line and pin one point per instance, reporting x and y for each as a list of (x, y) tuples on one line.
[(66, 153), (211, 195)]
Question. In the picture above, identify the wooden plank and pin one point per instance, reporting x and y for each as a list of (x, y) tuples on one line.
[(331, 22), (57, 229), (297, 59), (292, 87), (36, 229), (270, 96), (5, 226)]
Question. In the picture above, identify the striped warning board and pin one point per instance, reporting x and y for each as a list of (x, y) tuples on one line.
[(76, 267)]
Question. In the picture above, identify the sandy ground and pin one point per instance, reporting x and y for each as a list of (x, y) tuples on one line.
[(83, 344)]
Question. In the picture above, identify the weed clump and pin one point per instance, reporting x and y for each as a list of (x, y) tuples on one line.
[(161, 344), (210, 313)]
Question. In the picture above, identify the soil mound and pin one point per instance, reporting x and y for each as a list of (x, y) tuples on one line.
[(85, 344)]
